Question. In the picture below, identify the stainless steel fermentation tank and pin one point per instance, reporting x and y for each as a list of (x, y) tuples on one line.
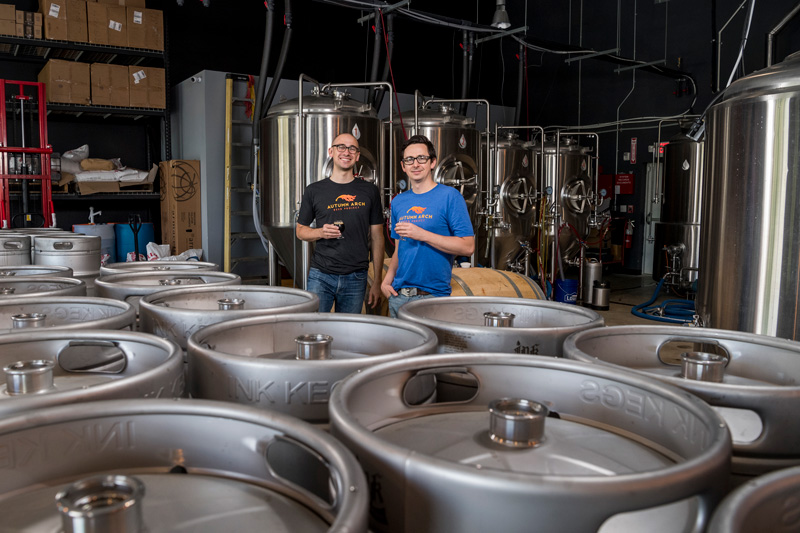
[(750, 230), (511, 204), (460, 161), (297, 134), (568, 186), (677, 233)]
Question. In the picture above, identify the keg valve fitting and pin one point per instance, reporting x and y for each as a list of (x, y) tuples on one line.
[(516, 422)]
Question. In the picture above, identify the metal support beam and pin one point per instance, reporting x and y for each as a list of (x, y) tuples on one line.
[(386, 9), (595, 54), (501, 34)]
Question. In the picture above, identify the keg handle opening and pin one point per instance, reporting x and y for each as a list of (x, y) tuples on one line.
[(93, 356), (441, 385), (284, 455), (669, 351)]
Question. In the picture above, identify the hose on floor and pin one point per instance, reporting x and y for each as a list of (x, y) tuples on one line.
[(671, 311)]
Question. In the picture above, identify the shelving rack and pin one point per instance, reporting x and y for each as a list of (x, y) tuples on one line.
[(27, 56)]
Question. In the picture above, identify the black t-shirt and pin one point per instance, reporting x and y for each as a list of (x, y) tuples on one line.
[(358, 205)]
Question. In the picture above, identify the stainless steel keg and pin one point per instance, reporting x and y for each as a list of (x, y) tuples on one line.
[(460, 323), (35, 270), (166, 465), (132, 286), (766, 503), (40, 286), (63, 312), (290, 363), (176, 314), (752, 380), (157, 266), (15, 249), (56, 367), (79, 252), (537, 444)]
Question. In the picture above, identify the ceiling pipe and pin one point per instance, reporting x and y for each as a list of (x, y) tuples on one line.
[(376, 55), (520, 80), (464, 70), (262, 82), (276, 78), (771, 35), (389, 54)]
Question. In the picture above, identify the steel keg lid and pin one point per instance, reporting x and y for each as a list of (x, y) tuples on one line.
[(66, 312), (256, 298)]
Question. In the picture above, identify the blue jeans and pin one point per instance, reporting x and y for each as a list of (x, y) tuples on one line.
[(396, 302), (346, 290)]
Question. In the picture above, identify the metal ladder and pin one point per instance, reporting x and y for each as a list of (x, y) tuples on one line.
[(244, 253)]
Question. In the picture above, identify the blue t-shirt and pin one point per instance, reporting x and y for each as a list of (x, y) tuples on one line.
[(443, 211)]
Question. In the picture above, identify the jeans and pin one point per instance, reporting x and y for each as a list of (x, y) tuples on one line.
[(346, 290), (396, 302)]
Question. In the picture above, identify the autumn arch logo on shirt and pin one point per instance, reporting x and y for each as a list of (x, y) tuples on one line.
[(418, 210), (344, 202)]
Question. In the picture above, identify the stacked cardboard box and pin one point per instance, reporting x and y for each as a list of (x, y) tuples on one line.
[(55, 19), (107, 24), (8, 20), (110, 85), (29, 25), (129, 3), (66, 82), (180, 205), (148, 87), (145, 28)]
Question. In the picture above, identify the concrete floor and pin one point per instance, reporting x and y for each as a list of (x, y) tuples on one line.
[(628, 291)]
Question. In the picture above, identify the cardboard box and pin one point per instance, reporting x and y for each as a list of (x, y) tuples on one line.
[(8, 27), (180, 205), (145, 28), (94, 187), (128, 3), (54, 14), (110, 85), (8, 12), (66, 82), (147, 87), (77, 26), (107, 24)]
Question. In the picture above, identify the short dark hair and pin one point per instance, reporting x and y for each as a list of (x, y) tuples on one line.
[(419, 139)]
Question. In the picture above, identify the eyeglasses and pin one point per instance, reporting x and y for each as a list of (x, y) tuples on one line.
[(420, 159), (343, 147)]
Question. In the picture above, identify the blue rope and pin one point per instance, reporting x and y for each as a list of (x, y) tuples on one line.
[(672, 311)]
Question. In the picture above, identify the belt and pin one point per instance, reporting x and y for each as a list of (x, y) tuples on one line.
[(412, 291)]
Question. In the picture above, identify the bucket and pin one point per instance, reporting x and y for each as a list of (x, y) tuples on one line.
[(567, 291), (107, 233), (124, 235)]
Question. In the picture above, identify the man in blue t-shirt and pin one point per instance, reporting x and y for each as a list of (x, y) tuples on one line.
[(349, 220), (432, 224)]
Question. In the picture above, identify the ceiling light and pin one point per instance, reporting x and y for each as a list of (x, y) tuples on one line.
[(500, 19)]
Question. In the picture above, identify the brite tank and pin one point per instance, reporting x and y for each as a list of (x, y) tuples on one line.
[(458, 150), (514, 186), (326, 115), (750, 228), (679, 223), (566, 184)]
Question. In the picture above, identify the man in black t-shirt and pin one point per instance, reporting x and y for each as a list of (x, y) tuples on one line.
[(349, 224)]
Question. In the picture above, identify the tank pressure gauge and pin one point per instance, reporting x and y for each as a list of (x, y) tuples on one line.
[(548, 190), (603, 193)]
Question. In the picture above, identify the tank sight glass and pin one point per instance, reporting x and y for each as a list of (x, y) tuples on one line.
[(516, 422)]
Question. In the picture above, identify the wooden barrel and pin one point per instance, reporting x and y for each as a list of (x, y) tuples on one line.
[(477, 282)]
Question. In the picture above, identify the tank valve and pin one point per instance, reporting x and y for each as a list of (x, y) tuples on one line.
[(102, 503), (516, 422)]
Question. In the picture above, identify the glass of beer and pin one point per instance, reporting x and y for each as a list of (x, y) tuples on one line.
[(339, 224)]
